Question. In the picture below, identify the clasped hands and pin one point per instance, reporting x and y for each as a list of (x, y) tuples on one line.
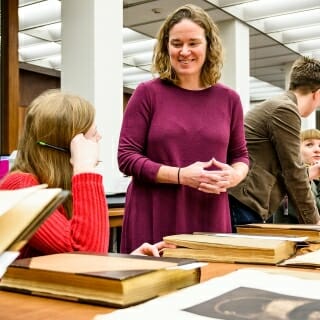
[(209, 181)]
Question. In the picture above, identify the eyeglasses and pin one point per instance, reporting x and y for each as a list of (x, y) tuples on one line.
[(47, 145)]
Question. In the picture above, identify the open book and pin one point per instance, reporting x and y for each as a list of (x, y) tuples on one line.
[(114, 279), (307, 260), (230, 247), (22, 211), (311, 231)]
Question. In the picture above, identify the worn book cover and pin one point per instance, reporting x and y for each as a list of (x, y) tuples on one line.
[(311, 231), (230, 248), (22, 211), (115, 279)]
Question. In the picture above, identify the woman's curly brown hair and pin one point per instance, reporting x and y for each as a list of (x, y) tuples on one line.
[(211, 70)]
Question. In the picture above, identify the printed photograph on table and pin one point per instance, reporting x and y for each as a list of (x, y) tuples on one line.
[(254, 304)]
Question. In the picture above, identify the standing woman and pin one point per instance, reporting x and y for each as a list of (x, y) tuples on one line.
[(182, 137)]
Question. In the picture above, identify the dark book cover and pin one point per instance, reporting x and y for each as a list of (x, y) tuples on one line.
[(114, 266)]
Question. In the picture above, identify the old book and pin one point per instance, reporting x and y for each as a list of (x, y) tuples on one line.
[(307, 260), (311, 231), (116, 279), (230, 248), (243, 294), (22, 211)]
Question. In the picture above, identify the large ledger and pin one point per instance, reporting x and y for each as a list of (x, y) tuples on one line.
[(230, 248), (115, 280)]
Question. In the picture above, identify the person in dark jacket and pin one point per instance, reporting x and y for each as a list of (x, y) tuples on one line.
[(272, 131)]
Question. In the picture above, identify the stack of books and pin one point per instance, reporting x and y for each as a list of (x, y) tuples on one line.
[(311, 231)]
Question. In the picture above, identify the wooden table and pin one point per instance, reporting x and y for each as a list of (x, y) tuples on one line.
[(116, 217), (14, 306), (115, 221)]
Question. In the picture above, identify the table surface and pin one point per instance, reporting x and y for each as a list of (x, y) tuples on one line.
[(16, 306)]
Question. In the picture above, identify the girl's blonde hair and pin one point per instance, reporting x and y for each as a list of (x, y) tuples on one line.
[(54, 118), (309, 134), (211, 70)]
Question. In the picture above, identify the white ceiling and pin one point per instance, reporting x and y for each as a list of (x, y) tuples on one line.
[(280, 31)]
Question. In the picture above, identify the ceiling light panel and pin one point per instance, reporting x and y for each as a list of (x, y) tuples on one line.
[(26, 40), (55, 61), (130, 35), (44, 63), (269, 8), (51, 32), (129, 71), (309, 45), (297, 34), (226, 3), (139, 59), (39, 14), (138, 47), (289, 21), (39, 51), (27, 2)]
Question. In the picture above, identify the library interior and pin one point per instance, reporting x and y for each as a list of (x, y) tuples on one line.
[(103, 51)]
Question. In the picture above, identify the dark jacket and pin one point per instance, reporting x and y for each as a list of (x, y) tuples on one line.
[(286, 213), (272, 131)]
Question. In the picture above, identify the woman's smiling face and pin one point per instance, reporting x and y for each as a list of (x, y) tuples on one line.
[(187, 48)]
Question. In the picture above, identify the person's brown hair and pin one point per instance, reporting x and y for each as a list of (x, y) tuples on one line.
[(54, 118), (310, 134), (211, 70), (305, 75)]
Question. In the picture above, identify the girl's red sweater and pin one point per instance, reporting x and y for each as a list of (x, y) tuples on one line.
[(87, 230)]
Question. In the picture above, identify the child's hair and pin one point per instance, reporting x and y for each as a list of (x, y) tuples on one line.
[(52, 118), (305, 75), (309, 134)]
